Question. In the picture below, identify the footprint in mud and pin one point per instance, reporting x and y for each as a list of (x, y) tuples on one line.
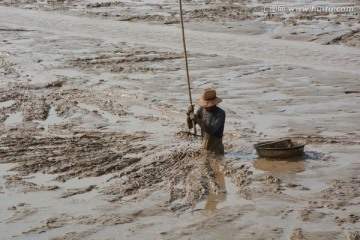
[(77, 191), (51, 223), (21, 211)]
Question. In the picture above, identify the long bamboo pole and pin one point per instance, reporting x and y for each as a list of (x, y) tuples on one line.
[(185, 52), (186, 61)]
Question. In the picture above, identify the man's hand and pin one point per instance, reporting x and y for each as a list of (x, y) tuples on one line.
[(190, 116), (190, 110), (190, 113)]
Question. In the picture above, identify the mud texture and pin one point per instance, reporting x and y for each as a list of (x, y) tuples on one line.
[(93, 138)]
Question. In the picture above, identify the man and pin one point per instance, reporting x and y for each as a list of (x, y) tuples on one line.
[(211, 119)]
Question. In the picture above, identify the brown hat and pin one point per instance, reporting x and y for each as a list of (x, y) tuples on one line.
[(208, 98)]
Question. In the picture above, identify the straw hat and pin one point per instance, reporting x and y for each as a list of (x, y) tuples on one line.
[(208, 98)]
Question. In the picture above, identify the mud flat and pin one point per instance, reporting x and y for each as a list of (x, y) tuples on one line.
[(93, 141)]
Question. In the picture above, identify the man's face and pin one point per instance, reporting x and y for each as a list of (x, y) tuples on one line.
[(209, 108)]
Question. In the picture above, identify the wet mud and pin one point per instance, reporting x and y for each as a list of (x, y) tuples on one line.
[(93, 138), (324, 27)]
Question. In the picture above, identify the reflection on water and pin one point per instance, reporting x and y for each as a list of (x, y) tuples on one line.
[(216, 197), (281, 165), (223, 192)]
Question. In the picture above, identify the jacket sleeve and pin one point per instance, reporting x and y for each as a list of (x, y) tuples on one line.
[(198, 116)]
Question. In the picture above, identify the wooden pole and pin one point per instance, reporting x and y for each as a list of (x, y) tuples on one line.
[(186, 61), (185, 52)]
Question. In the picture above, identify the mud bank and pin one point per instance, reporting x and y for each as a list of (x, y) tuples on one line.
[(93, 141)]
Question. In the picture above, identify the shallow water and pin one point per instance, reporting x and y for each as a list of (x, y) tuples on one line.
[(271, 88), (7, 104), (14, 118), (51, 120)]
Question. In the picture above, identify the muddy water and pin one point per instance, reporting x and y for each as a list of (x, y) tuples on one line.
[(94, 143), (280, 165), (220, 196)]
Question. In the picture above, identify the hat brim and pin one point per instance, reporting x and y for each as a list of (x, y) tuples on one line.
[(208, 103)]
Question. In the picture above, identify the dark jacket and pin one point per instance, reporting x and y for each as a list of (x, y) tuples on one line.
[(212, 122)]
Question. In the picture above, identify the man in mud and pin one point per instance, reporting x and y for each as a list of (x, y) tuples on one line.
[(211, 119)]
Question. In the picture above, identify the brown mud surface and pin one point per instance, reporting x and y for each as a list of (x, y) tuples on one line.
[(93, 140)]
